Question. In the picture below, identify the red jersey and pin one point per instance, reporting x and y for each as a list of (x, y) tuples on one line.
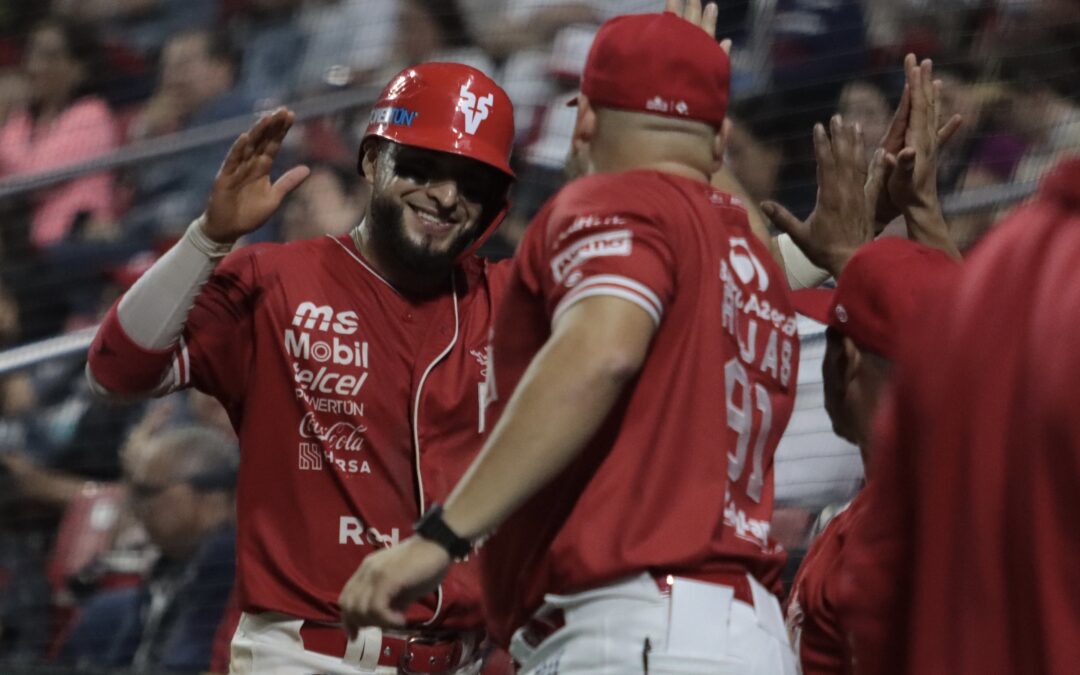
[(347, 398), (969, 564), (679, 477), (814, 619)]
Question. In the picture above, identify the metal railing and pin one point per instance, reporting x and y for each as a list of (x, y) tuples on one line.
[(182, 141)]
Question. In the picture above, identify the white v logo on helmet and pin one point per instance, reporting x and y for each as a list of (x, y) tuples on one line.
[(476, 111)]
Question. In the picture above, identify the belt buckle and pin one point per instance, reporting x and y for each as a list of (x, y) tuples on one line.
[(407, 655)]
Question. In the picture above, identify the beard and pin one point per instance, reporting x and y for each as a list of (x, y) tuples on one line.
[(394, 246)]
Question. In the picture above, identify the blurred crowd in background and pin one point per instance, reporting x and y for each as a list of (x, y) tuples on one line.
[(115, 549)]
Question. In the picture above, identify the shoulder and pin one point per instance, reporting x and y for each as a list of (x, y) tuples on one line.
[(627, 192), (482, 274), (274, 255)]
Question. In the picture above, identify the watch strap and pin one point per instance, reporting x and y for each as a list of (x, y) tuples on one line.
[(432, 527)]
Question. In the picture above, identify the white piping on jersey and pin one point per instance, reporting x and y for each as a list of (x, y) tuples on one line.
[(180, 371), (416, 431), (187, 362), (359, 259), (615, 285)]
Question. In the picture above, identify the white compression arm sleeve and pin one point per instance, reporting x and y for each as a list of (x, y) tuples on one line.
[(154, 310), (801, 273)]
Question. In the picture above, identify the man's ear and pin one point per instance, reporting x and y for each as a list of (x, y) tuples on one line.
[(852, 362), (369, 154), (584, 126), (720, 142)]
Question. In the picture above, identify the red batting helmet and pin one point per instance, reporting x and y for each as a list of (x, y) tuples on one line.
[(448, 107)]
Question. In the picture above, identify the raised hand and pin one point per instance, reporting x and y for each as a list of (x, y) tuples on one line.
[(842, 219), (912, 183), (243, 198), (704, 18), (916, 121)]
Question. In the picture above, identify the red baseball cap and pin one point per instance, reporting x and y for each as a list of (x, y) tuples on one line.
[(880, 292), (658, 64)]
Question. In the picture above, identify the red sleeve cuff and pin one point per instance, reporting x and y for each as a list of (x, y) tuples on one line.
[(120, 365)]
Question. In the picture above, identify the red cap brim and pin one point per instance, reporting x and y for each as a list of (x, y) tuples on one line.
[(813, 303)]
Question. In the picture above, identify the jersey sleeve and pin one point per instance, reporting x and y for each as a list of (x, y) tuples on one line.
[(216, 349), (612, 253), (213, 351)]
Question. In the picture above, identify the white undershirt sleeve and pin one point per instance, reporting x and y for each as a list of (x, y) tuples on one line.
[(801, 273), (154, 310)]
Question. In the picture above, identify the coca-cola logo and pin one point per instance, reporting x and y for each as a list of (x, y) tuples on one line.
[(337, 436)]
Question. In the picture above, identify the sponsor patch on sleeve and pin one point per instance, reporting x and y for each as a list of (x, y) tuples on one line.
[(603, 244)]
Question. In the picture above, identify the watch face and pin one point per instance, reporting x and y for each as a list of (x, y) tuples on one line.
[(432, 527)]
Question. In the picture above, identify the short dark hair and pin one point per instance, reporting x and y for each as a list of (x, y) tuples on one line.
[(204, 457), (82, 44)]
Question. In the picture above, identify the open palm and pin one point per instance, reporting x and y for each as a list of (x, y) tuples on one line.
[(243, 198)]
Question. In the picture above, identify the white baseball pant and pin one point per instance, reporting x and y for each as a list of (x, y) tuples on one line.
[(632, 627)]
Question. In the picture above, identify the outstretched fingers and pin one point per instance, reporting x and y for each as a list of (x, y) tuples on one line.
[(945, 133), (235, 158), (290, 180), (786, 222), (704, 17)]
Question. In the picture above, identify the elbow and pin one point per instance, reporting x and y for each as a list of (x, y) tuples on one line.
[(96, 386), (111, 393), (619, 365)]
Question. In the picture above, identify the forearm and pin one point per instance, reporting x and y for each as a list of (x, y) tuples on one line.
[(563, 399), (132, 352), (153, 312), (51, 488), (927, 226), (57, 490)]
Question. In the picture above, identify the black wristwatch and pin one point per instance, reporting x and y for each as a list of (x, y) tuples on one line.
[(432, 527)]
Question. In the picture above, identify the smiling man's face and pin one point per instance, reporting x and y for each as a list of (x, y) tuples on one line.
[(428, 206)]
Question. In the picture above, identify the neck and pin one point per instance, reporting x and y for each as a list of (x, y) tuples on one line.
[(629, 156), (411, 281)]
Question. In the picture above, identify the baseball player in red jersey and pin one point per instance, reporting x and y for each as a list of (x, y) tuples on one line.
[(643, 369), (969, 563), (879, 295), (353, 368)]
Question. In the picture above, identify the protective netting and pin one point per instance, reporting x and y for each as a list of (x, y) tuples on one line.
[(115, 115)]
